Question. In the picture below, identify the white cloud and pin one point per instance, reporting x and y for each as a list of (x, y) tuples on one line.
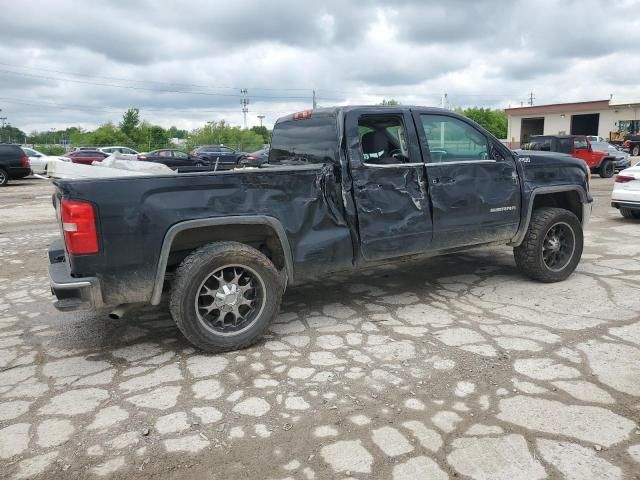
[(78, 56)]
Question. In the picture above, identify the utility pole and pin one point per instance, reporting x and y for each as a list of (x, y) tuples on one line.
[(531, 98), (315, 103), (261, 116), (244, 101)]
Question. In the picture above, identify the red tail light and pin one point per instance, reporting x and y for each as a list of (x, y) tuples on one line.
[(79, 227), (142, 157), (626, 144), (304, 115), (251, 158), (25, 162), (624, 178)]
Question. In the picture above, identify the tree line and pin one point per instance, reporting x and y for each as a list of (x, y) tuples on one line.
[(140, 135)]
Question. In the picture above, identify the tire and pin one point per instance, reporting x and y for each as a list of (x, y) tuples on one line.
[(200, 272), (531, 254), (635, 151), (607, 169), (4, 177), (199, 164), (629, 213)]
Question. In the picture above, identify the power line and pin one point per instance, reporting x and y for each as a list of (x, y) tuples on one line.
[(132, 87), (108, 109), (87, 75), (364, 91)]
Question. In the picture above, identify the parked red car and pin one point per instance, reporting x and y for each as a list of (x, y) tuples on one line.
[(577, 146), (86, 157)]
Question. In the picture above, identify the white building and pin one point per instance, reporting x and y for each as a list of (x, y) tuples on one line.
[(610, 119)]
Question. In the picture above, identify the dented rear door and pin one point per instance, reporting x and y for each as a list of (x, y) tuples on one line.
[(475, 192), (392, 205)]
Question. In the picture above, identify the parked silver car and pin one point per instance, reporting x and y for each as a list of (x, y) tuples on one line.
[(623, 159)]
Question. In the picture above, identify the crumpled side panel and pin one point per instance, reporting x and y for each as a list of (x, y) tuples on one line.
[(135, 213)]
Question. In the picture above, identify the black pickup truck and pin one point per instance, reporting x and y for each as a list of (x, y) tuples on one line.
[(344, 188)]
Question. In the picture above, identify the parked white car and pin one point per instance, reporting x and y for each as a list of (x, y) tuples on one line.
[(127, 152), (40, 162), (626, 192)]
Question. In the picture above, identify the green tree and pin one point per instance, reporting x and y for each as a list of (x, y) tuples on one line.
[(11, 134), (220, 132), (130, 121), (389, 103), (175, 132), (262, 131), (495, 121)]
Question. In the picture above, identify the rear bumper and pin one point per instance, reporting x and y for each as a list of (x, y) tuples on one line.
[(72, 293), (625, 204), (16, 173)]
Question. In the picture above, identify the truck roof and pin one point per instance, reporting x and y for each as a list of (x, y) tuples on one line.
[(342, 109)]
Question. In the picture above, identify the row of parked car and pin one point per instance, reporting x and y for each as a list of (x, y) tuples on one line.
[(18, 162), (207, 155)]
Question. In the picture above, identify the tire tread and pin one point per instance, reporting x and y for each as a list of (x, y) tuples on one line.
[(184, 274), (527, 255)]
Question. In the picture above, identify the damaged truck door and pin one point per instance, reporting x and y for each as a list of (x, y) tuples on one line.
[(474, 189), (389, 183)]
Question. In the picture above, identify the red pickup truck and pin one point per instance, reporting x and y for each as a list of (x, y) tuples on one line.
[(577, 146)]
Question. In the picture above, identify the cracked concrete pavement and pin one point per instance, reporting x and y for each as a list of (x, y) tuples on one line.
[(455, 366)]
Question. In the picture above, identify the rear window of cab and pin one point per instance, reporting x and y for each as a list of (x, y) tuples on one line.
[(304, 141)]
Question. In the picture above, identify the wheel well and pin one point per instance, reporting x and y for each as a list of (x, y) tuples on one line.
[(261, 237), (569, 200)]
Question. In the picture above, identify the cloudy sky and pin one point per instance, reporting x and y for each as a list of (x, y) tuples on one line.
[(66, 62)]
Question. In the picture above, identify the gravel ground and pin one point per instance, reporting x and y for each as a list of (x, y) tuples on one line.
[(456, 366)]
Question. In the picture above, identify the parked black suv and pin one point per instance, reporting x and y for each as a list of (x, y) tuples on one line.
[(14, 163), (210, 154)]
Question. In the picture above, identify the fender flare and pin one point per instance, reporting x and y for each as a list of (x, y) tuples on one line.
[(175, 229), (585, 199)]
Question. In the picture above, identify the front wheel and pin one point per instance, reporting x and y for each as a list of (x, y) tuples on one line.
[(552, 246), (635, 151), (607, 169), (224, 296), (4, 177)]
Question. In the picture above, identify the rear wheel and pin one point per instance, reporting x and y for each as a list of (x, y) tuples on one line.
[(4, 177), (629, 213), (224, 296), (552, 246), (199, 164), (607, 169), (635, 151)]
